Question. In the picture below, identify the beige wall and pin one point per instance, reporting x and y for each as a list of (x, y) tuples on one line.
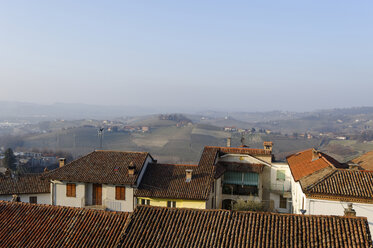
[(41, 198)]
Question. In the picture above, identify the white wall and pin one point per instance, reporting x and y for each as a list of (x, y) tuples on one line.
[(326, 207), (61, 199), (278, 187), (108, 197), (41, 198)]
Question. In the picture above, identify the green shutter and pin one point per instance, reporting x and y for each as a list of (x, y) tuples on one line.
[(240, 178), (250, 179), (280, 175)]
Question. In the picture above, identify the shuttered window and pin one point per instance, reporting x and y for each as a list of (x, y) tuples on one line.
[(280, 175), (240, 178), (120, 193), (33, 199), (70, 190)]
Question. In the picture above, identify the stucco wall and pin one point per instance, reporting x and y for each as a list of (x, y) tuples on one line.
[(108, 199), (179, 203), (41, 198), (326, 207), (61, 199)]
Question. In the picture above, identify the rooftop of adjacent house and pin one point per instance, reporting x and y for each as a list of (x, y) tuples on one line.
[(26, 184), (33, 225), (344, 185), (306, 162), (365, 161), (169, 181), (111, 167), (240, 150), (172, 227)]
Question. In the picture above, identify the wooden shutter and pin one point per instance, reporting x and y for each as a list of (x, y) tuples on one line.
[(120, 193), (70, 190)]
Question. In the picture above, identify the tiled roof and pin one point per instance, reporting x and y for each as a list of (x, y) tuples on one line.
[(28, 184), (365, 161), (169, 181), (102, 167), (172, 227), (32, 225), (240, 150), (222, 167), (351, 185), (302, 163)]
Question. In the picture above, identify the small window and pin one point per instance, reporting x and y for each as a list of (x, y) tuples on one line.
[(280, 175), (33, 199), (145, 202), (171, 204), (283, 202), (70, 190), (120, 193)]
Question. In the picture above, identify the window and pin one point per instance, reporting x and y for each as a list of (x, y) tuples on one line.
[(120, 193), (33, 199), (70, 190), (280, 175), (145, 202), (283, 202), (171, 204)]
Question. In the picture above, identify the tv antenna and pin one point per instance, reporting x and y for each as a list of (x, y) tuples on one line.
[(101, 135)]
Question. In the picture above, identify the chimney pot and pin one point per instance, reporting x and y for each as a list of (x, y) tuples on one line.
[(349, 211), (62, 162), (188, 176), (131, 169), (268, 145), (229, 142)]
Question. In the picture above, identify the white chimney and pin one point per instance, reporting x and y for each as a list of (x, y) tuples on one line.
[(229, 142), (131, 169), (188, 176), (62, 162)]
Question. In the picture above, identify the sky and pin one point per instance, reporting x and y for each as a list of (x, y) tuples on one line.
[(188, 55)]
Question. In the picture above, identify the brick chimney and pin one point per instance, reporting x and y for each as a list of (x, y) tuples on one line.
[(62, 162), (315, 155), (268, 145), (188, 176), (349, 211), (131, 169), (229, 142)]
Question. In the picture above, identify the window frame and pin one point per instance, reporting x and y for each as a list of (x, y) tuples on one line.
[(120, 193), (34, 199), (171, 204), (145, 202), (282, 201), (70, 190)]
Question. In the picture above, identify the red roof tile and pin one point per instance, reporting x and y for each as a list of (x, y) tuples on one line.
[(172, 227), (33, 225), (28, 184), (102, 167), (302, 163), (169, 181), (240, 150), (351, 185)]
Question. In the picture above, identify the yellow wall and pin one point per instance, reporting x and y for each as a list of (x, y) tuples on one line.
[(179, 203)]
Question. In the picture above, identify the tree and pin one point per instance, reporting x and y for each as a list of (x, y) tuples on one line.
[(249, 205), (9, 159)]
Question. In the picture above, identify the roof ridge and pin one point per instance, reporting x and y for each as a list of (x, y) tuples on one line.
[(117, 151)]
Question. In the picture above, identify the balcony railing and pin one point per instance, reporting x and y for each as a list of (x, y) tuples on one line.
[(280, 187)]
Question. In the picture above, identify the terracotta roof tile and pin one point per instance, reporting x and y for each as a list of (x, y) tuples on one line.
[(169, 181), (365, 161), (302, 163), (102, 167), (172, 227), (33, 225), (28, 184), (352, 185)]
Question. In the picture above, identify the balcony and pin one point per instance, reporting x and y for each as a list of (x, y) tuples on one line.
[(234, 189), (280, 187)]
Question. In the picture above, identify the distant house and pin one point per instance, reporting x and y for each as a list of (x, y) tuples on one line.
[(28, 188), (182, 186), (101, 179), (31, 225), (322, 185), (170, 227), (250, 175)]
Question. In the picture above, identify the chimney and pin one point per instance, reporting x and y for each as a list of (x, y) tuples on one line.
[(268, 145), (353, 166), (7, 173), (62, 162), (188, 175), (229, 142), (131, 169), (349, 211), (315, 155)]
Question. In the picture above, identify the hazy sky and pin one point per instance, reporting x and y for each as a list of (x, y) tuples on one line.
[(221, 55)]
